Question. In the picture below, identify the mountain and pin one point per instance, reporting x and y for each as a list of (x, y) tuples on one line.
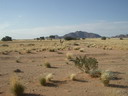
[(121, 36), (81, 34)]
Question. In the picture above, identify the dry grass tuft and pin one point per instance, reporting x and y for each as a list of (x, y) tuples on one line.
[(49, 77), (72, 77), (16, 87), (82, 49), (76, 48), (47, 65), (69, 56), (106, 76)]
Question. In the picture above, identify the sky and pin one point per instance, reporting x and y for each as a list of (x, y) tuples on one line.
[(28, 19)]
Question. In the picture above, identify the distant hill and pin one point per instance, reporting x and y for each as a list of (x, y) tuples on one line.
[(81, 34), (121, 36), (78, 34)]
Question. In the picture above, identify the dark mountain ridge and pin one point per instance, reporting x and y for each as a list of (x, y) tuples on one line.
[(121, 36), (81, 34)]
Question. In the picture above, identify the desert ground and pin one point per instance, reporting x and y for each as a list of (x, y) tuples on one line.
[(29, 57)]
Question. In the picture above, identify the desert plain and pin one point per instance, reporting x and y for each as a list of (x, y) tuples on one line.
[(29, 57)]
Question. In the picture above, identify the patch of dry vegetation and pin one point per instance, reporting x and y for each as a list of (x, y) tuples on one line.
[(29, 46), (16, 87), (88, 65)]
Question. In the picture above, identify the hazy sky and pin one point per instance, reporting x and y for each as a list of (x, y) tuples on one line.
[(34, 18)]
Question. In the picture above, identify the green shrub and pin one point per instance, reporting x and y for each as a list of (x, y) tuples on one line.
[(6, 38), (47, 65), (103, 38), (52, 37), (40, 38), (18, 61), (85, 64), (95, 73), (121, 38), (43, 81)]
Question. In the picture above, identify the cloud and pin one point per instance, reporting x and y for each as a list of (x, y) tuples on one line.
[(103, 28)]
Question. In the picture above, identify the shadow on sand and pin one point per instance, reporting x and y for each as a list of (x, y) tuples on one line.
[(30, 94), (51, 85), (117, 86), (59, 82), (54, 67), (78, 80)]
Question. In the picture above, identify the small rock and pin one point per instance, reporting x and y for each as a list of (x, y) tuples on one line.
[(17, 70)]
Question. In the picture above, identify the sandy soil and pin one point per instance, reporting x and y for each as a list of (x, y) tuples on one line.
[(32, 68)]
